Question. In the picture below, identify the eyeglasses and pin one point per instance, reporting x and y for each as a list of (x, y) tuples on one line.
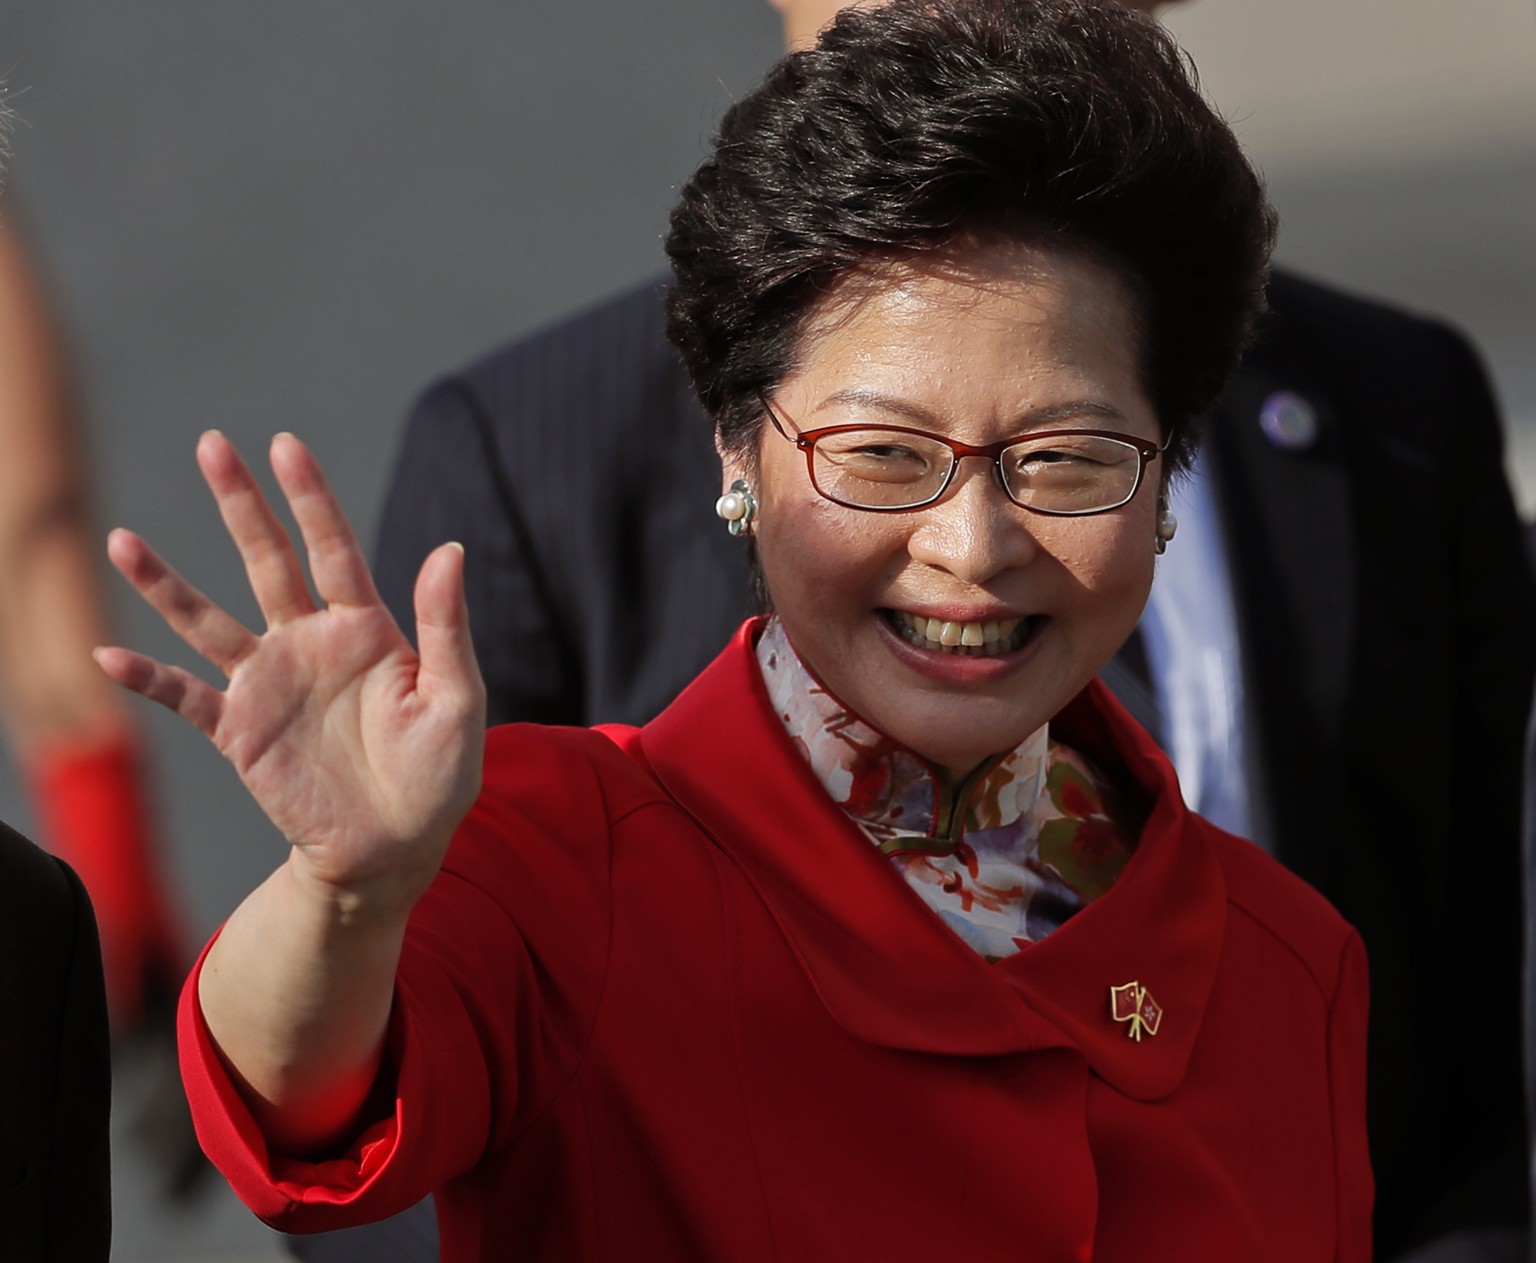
[(891, 468)]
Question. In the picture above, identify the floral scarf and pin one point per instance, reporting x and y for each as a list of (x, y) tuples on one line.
[(1030, 837)]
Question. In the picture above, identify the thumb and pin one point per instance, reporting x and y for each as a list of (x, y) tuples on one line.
[(448, 665)]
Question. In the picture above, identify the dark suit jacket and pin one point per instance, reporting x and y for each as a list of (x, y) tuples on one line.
[(55, 1178), (1386, 611), (1529, 849)]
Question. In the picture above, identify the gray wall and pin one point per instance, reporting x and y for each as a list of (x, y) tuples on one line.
[(1399, 138), (291, 216), (285, 215)]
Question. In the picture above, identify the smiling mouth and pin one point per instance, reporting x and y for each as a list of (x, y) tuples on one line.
[(990, 639)]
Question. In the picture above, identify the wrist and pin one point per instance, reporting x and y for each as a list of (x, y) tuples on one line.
[(377, 904)]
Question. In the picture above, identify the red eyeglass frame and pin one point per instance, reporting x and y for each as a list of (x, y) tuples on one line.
[(1146, 451)]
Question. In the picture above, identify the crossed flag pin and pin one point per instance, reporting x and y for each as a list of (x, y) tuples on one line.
[(1131, 1002)]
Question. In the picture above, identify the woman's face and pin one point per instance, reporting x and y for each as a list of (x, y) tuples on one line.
[(989, 343)]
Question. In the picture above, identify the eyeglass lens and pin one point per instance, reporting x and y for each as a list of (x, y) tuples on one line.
[(1056, 473)]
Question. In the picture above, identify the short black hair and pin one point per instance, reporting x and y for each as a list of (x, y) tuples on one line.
[(1072, 124)]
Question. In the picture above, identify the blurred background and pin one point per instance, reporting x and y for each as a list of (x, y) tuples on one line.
[(293, 216)]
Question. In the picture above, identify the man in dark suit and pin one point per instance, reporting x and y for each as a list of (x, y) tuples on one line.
[(1384, 638), (55, 1177)]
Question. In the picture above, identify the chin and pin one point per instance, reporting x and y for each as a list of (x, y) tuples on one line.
[(959, 744)]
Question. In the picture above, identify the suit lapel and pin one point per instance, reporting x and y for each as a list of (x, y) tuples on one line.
[(1288, 512)]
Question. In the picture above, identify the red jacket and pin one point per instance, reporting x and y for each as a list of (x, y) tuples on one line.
[(666, 1002)]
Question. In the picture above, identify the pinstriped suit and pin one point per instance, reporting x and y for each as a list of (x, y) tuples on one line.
[(581, 475), (1386, 611)]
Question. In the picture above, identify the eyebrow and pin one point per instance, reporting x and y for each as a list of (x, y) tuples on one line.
[(1072, 410)]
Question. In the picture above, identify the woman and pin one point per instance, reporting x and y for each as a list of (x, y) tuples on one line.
[(891, 938)]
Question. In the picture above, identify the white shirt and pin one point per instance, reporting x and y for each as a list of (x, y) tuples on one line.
[(1189, 630)]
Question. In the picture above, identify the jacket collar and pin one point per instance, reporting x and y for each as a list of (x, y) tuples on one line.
[(887, 969)]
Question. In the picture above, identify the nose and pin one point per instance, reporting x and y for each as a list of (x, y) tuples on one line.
[(973, 532)]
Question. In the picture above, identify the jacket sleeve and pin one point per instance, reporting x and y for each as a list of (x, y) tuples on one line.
[(454, 480), (1494, 599), (430, 1102), (1494, 574), (80, 1201), (496, 993), (1441, 665), (1347, 1017)]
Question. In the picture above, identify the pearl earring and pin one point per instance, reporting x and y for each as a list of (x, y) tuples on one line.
[(737, 507), (1167, 525)]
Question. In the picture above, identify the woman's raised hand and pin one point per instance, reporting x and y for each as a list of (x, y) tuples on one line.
[(365, 754)]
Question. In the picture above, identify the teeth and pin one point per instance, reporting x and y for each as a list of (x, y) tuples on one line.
[(971, 639)]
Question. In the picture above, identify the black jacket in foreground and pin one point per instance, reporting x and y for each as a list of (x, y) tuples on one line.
[(55, 1071)]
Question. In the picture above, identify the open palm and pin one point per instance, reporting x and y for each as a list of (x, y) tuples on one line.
[(363, 752)]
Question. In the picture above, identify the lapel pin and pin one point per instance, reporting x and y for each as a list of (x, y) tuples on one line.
[(1289, 421), (1131, 1002)]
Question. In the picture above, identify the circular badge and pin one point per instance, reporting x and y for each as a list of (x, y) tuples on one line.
[(1289, 421)]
